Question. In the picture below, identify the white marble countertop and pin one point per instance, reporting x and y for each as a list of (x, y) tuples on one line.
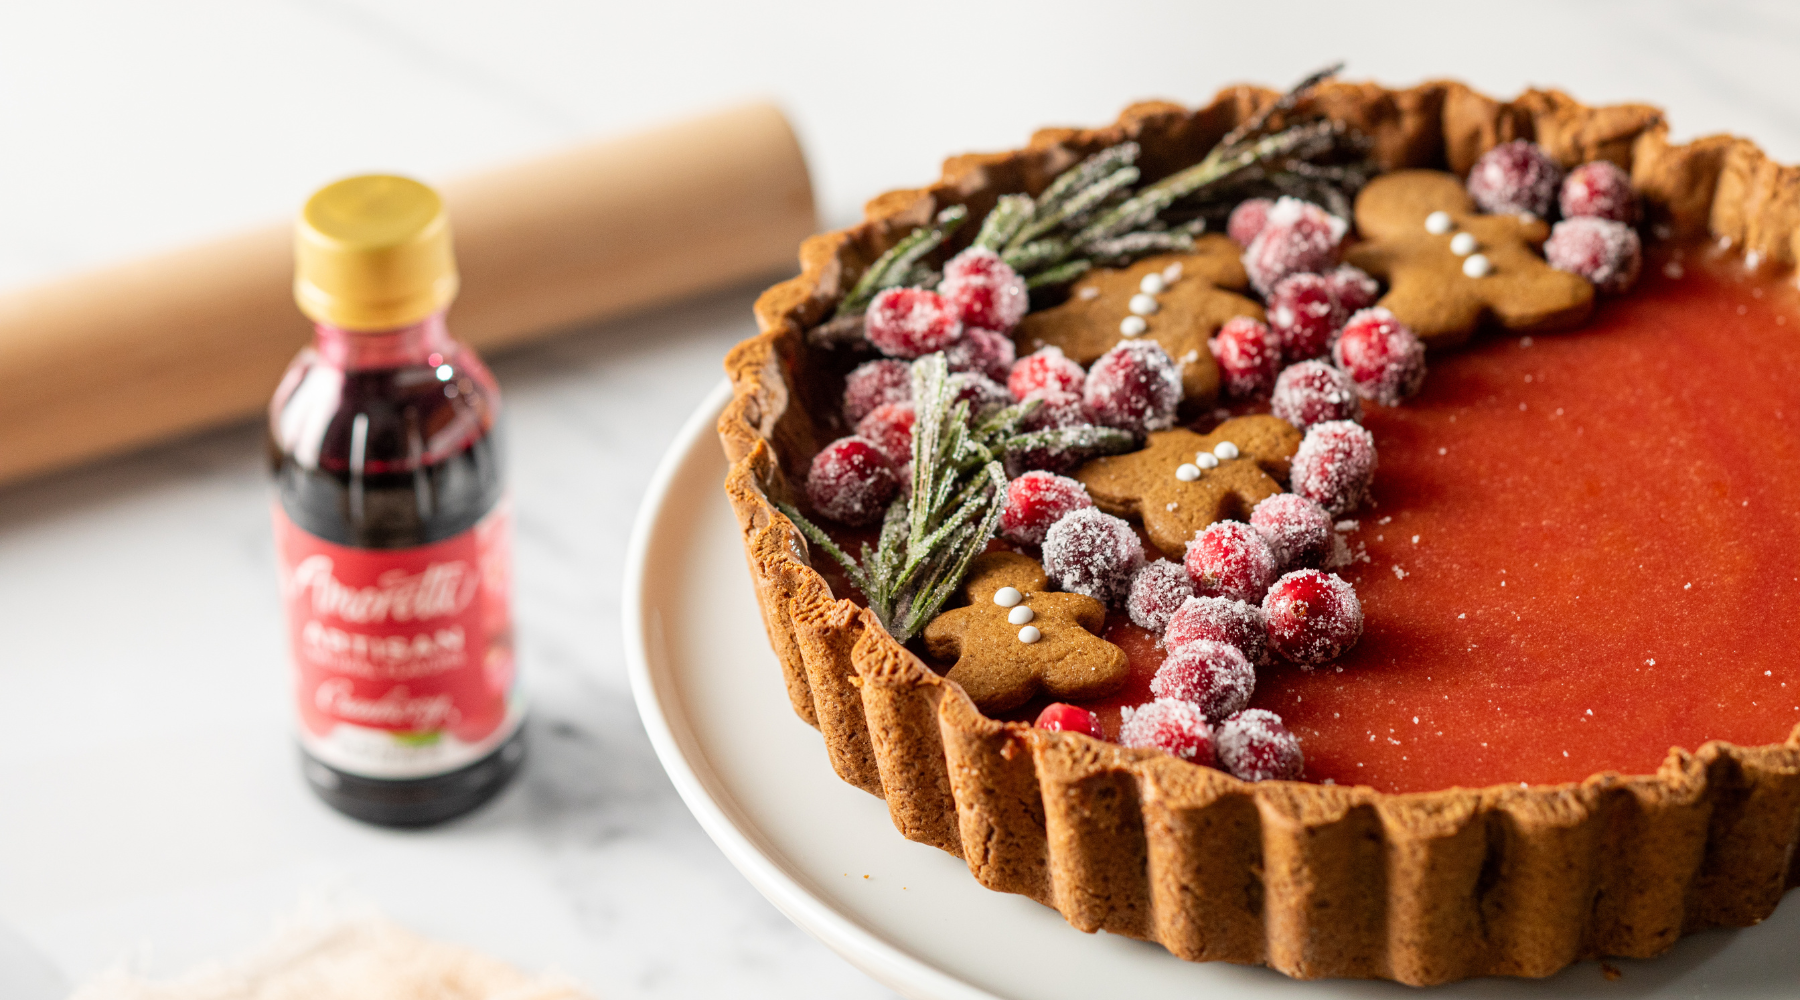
[(150, 809)]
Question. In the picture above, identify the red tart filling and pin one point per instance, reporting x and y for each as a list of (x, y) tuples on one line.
[(1584, 548)]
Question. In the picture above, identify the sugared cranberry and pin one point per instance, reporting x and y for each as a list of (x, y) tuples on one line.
[(1298, 530), (1091, 552), (983, 394), (1037, 500), (1300, 237), (1312, 392), (1134, 387), (1157, 592), (1599, 190), (851, 481), (1515, 177), (1047, 369), (1334, 466), (911, 322), (1056, 409), (876, 382), (1304, 315), (1247, 220), (1385, 362), (984, 290), (1313, 616), (1255, 746), (1178, 728), (1604, 252), (1062, 717), (1220, 619), (983, 352), (1230, 559), (1352, 288), (1248, 355), (889, 427), (1212, 675)]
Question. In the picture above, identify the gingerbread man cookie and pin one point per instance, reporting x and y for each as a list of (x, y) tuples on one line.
[(1177, 300), (1015, 638), (1182, 481), (1448, 266)]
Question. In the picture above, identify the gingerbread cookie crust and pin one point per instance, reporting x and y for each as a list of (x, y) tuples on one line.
[(1314, 881)]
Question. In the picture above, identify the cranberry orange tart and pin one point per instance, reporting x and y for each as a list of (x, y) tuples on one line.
[(1306, 530)]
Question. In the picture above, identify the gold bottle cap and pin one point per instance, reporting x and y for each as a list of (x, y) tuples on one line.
[(373, 253)]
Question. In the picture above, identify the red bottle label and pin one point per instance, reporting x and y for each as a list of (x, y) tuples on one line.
[(403, 658)]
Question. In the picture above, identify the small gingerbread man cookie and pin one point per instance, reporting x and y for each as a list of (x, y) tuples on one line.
[(1177, 300), (1015, 638), (1182, 481), (1448, 267)]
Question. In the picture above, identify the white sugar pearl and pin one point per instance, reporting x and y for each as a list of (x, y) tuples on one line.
[(1187, 472), (1225, 450), (1030, 634), (1439, 223), (1463, 244), (1006, 597), (1144, 305), (1207, 460), (1478, 266), (1152, 284), (1133, 326), (1020, 615)]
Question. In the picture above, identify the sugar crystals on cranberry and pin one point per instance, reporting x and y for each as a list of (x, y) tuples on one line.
[(911, 322), (1178, 728), (1065, 718), (873, 383), (1248, 356), (1304, 315), (1255, 746), (1385, 362), (983, 394), (1313, 617), (1604, 252), (1055, 410), (1044, 370), (1334, 466), (983, 352), (1297, 529), (1313, 392), (1599, 190), (1220, 619), (984, 290), (1299, 237), (1230, 559), (1247, 220), (1515, 177), (889, 427), (1157, 592), (1091, 552), (1037, 500), (1352, 288), (1216, 678), (851, 481), (1134, 387)]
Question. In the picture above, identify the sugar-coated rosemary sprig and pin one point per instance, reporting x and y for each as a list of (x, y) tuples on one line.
[(901, 261)]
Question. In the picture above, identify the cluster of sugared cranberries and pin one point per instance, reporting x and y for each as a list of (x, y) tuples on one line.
[(1604, 252), (1248, 355), (1599, 190), (984, 290), (1157, 592), (1334, 466), (1255, 746), (1037, 500), (1094, 553), (1230, 559), (1297, 529), (1312, 616), (983, 352), (1045, 370), (1383, 359), (1211, 675), (911, 322), (1353, 289), (1177, 728), (873, 383), (1515, 177), (1065, 718), (1304, 315), (851, 481), (889, 427), (1134, 387), (1298, 236), (1313, 392), (1247, 220), (1220, 619)]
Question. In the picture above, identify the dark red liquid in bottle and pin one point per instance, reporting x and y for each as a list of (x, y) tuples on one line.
[(386, 456)]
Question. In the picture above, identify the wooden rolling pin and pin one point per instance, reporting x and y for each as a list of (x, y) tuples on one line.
[(116, 358)]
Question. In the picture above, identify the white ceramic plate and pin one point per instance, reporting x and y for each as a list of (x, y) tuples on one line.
[(711, 695)]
